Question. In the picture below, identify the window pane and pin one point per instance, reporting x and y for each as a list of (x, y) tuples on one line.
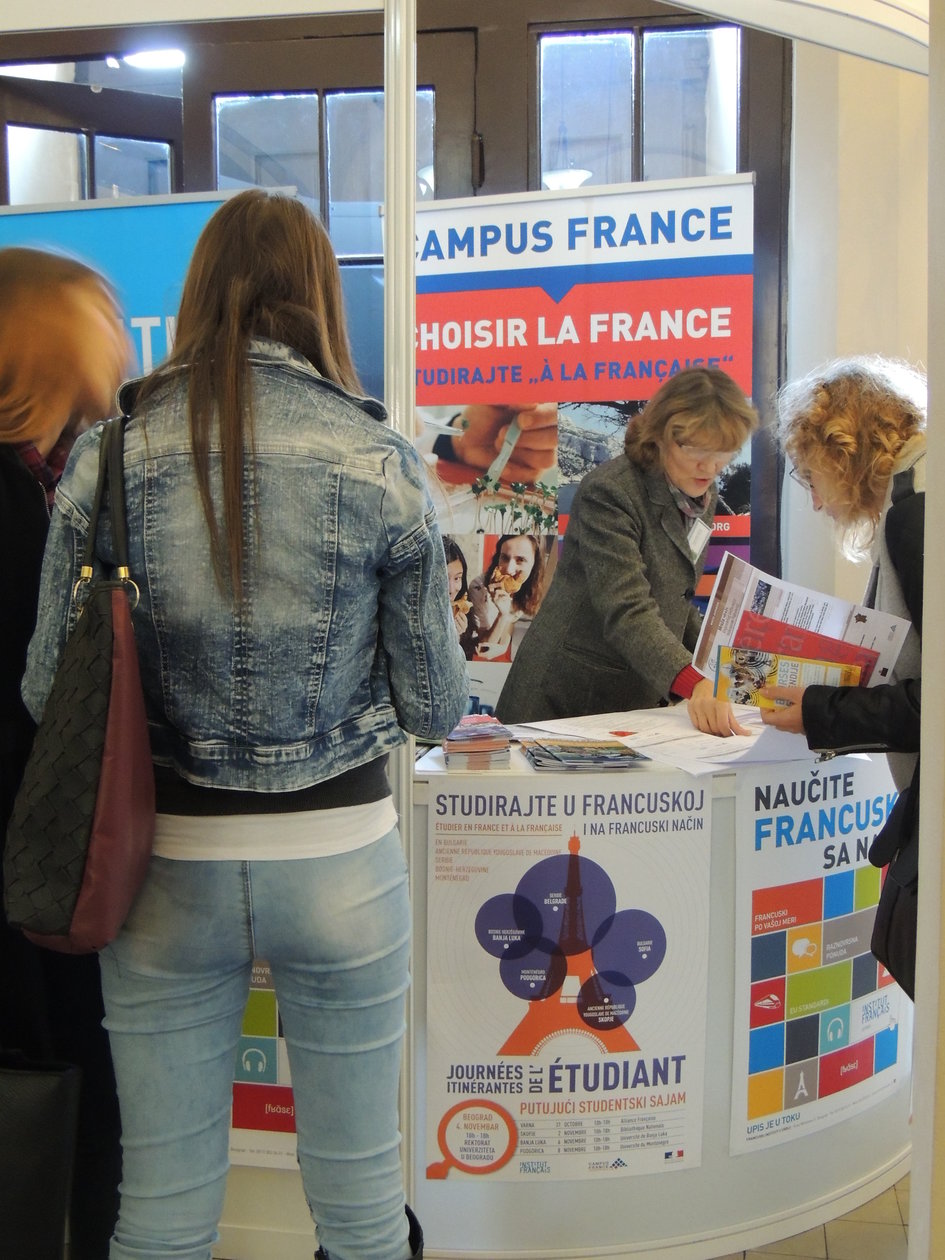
[(690, 102), (363, 288), (46, 166), (269, 142), (586, 109), (131, 168), (356, 167), (355, 171), (426, 127)]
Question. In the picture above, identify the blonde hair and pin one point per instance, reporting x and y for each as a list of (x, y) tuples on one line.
[(55, 363), (847, 423), (696, 403)]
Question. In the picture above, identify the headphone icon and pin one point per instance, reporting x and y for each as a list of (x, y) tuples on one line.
[(835, 1029), (251, 1055)]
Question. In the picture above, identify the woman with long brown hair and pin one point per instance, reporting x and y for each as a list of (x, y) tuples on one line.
[(508, 592), (293, 622)]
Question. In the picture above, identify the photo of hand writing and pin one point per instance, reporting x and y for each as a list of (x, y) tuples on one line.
[(493, 464)]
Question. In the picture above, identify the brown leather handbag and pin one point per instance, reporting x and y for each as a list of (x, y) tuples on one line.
[(82, 828)]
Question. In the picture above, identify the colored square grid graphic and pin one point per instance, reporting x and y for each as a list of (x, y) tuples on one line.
[(765, 1048), (787, 906), (767, 1002), (819, 1022), (818, 990), (867, 886), (765, 1094), (838, 894), (268, 1108)]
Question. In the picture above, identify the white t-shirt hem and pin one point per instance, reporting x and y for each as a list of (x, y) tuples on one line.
[(272, 837)]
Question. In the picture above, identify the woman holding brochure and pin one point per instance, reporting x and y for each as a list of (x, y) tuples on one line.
[(617, 626), (855, 434)]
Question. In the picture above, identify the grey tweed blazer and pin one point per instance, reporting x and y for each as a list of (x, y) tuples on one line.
[(617, 623)]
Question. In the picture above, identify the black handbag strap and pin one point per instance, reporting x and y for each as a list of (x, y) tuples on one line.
[(115, 437), (111, 470)]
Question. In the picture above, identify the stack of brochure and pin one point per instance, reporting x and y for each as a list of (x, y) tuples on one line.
[(479, 742), (551, 753), (760, 631)]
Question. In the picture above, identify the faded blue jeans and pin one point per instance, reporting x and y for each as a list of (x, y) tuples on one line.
[(335, 931)]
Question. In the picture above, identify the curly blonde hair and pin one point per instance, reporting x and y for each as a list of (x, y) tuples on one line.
[(847, 423)]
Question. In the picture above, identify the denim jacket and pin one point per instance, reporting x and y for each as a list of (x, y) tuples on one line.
[(344, 637)]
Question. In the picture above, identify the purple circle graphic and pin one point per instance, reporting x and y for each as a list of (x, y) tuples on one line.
[(537, 975), (630, 946), (574, 896), (508, 926), (604, 1002)]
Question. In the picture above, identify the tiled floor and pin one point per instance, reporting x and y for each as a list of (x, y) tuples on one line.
[(875, 1231)]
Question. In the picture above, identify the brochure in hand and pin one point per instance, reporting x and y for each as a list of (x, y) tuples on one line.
[(743, 672), (756, 631), (744, 596)]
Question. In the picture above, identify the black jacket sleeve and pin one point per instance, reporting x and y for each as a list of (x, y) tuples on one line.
[(905, 538), (885, 718)]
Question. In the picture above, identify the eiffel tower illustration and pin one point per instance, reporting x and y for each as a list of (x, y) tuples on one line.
[(555, 1010)]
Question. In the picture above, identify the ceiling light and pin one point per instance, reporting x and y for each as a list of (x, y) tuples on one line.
[(156, 59), (565, 177)]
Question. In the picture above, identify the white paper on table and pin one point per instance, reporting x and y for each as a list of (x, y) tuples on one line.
[(666, 735)]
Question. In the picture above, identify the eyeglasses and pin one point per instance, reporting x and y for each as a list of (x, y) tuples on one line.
[(799, 478), (701, 456)]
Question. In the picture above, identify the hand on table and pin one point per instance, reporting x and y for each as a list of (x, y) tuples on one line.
[(712, 716)]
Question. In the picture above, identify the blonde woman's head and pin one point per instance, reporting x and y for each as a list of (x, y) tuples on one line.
[(843, 428), (698, 406), (63, 346)]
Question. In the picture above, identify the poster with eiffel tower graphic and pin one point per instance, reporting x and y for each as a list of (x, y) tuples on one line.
[(567, 945)]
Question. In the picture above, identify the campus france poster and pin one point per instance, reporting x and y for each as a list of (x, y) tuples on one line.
[(585, 301), (821, 1029), (567, 943)]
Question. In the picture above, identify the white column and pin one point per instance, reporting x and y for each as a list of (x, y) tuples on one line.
[(400, 189), (927, 1182)]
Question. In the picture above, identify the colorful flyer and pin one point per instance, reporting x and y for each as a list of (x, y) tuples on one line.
[(821, 1028), (567, 952), (743, 673)]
